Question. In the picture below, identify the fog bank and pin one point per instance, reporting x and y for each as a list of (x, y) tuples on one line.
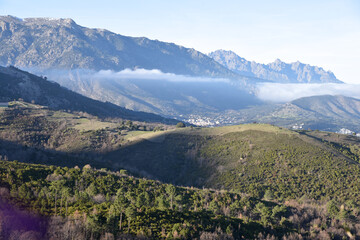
[(277, 92)]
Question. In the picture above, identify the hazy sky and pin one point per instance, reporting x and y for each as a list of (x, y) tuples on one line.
[(325, 33)]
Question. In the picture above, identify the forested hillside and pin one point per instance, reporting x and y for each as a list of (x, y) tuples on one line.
[(73, 203)]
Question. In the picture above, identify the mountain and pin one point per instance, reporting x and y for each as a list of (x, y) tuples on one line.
[(276, 71), (324, 112), (165, 94), (331, 106), (72, 56), (61, 43), (16, 84)]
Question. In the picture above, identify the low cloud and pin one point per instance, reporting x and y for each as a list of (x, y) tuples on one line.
[(154, 74), (274, 92), (144, 74), (277, 92)]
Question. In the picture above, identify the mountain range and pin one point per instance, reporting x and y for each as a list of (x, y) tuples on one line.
[(212, 90), (61, 43), (219, 103), (47, 43), (276, 71)]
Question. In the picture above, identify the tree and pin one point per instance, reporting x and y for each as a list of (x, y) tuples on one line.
[(214, 207), (130, 214), (161, 203), (264, 211), (141, 200), (120, 205), (277, 213), (91, 190), (268, 195), (56, 187), (65, 194), (23, 192), (171, 192), (332, 209)]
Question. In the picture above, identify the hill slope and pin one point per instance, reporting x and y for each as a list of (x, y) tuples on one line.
[(115, 204), (61, 43), (16, 84), (258, 160), (331, 106), (249, 158), (277, 71), (325, 112)]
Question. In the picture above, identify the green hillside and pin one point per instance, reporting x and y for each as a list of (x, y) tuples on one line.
[(314, 175), (115, 204), (250, 158), (49, 202)]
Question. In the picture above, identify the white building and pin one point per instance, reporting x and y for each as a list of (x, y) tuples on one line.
[(345, 131)]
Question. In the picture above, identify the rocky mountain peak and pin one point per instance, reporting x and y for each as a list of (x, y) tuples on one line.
[(277, 71), (62, 44)]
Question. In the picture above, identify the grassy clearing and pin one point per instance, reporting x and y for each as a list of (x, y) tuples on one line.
[(160, 136), (157, 137), (84, 124), (80, 123), (216, 131), (244, 127), (59, 115)]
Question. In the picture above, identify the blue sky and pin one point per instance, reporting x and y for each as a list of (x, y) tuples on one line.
[(318, 32)]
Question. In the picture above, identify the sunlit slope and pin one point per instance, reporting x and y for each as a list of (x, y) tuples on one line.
[(249, 158)]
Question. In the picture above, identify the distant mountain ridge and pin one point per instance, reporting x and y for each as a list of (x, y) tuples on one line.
[(331, 106), (276, 71), (325, 112), (15, 84), (61, 43)]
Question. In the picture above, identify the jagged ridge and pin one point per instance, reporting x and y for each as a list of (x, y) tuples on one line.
[(61, 43), (276, 71)]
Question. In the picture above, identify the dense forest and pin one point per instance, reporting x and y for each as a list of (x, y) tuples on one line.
[(74, 203)]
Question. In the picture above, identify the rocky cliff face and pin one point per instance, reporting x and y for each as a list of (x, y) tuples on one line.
[(276, 71), (61, 43)]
